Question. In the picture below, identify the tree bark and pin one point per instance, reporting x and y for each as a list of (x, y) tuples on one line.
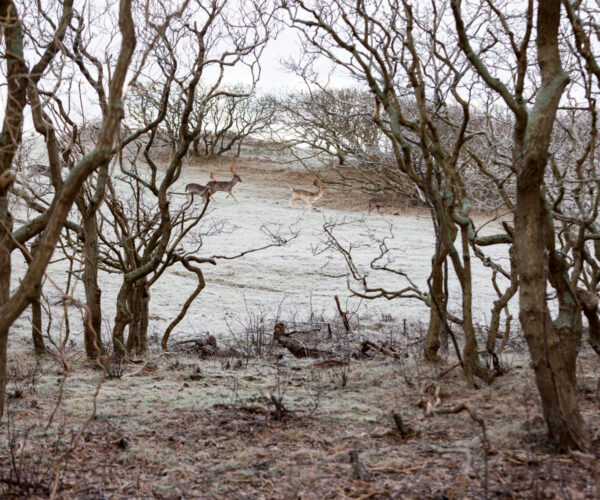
[(438, 304), (534, 238), (471, 366), (559, 400), (589, 302), (122, 319), (568, 323), (137, 341), (36, 311), (92, 326), (502, 303)]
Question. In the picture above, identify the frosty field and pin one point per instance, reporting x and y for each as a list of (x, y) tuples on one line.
[(300, 278)]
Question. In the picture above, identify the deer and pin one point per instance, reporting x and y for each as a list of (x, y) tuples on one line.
[(39, 169), (397, 199), (203, 191), (214, 185), (308, 196), (378, 202)]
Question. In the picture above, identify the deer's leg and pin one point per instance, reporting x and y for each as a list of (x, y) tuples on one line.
[(232, 195)]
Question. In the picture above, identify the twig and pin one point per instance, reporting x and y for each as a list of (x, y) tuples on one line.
[(455, 365), (343, 314), (400, 426), (484, 439), (360, 470), (148, 361), (466, 467), (449, 369)]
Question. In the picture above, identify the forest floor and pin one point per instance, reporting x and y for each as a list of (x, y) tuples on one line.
[(260, 423), (273, 426)]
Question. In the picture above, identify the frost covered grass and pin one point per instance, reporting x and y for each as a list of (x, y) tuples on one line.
[(290, 280)]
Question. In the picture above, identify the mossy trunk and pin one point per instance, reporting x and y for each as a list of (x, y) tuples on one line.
[(568, 324), (553, 375), (551, 350)]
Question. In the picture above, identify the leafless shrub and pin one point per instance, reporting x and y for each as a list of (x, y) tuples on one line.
[(315, 389), (27, 472), (25, 381), (277, 394), (115, 366), (340, 375), (256, 336)]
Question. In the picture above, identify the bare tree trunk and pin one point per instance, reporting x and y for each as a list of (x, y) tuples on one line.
[(534, 244), (502, 302), (534, 239), (568, 323), (438, 304), (559, 400), (589, 302), (438, 291), (36, 310), (471, 363), (5, 264), (122, 319), (93, 316), (201, 284), (137, 341), (36, 328), (16, 78)]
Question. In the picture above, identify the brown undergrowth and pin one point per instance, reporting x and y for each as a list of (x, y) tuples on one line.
[(186, 427)]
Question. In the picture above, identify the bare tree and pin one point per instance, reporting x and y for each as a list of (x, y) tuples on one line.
[(232, 119), (226, 118), (405, 56), (149, 232), (51, 223), (552, 343)]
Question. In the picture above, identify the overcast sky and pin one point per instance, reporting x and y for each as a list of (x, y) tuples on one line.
[(276, 78)]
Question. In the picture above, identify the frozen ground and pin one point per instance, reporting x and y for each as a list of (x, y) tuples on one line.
[(294, 280)]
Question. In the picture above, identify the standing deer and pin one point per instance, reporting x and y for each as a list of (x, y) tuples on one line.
[(379, 202), (203, 191), (308, 196), (214, 185)]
